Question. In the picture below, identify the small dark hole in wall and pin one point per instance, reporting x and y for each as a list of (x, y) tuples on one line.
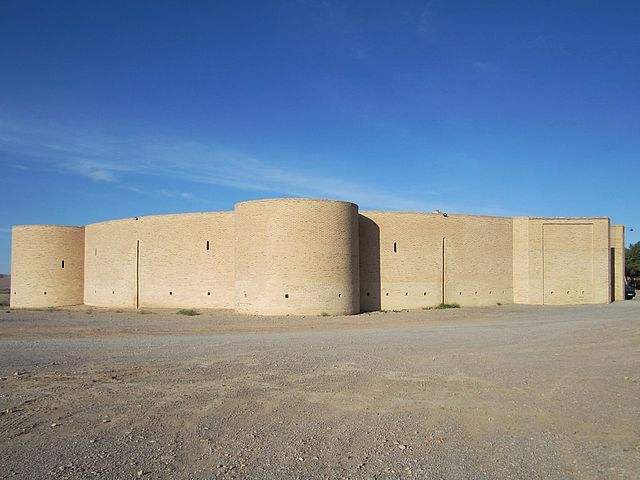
[(395, 247), (245, 294), (113, 293), (551, 292), (567, 292), (136, 218), (425, 294), (406, 293), (62, 263), (475, 293), (582, 291), (339, 295), (170, 293), (286, 295), (460, 293), (207, 244), (368, 294), (208, 293), (45, 293), (387, 294), (489, 292)]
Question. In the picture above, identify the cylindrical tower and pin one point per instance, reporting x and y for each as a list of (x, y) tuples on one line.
[(47, 266), (297, 256)]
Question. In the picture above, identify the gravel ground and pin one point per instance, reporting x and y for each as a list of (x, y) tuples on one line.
[(502, 392)]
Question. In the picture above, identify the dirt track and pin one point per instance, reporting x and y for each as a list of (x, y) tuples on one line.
[(502, 392)]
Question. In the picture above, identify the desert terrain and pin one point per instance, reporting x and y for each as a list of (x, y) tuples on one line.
[(519, 392)]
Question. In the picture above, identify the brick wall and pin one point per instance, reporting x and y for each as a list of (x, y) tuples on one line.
[(561, 260), (407, 258), (302, 256), (618, 268), (187, 260), (297, 256), (38, 276)]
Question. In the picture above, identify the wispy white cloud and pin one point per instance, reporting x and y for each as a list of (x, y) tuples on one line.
[(97, 171), (481, 66), (426, 29), (125, 160), (180, 195), (541, 40)]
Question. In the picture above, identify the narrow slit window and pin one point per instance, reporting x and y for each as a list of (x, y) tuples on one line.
[(62, 263), (395, 247), (96, 252), (207, 244)]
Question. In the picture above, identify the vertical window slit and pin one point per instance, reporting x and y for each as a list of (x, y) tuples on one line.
[(395, 247), (207, 244), (62, 263)]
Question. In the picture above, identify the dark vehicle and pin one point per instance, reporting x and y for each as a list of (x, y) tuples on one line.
[(629, 291)]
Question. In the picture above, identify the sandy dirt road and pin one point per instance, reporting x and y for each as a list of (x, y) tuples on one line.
[(502, 392)]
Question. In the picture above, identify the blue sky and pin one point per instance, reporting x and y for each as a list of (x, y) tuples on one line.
[(119, 109)]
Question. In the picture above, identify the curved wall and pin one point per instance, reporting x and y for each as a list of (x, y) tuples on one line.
[(297, 256), (183, 260), (401, 260), (304, 256), (39, 278), (417, 260), (187, 260), (110, 263)]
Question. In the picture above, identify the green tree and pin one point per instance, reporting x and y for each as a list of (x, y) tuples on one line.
[(632, 260)]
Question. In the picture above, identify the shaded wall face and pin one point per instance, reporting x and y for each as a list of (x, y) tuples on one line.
[(405, 272), (425, 259), (369, 253), (47, 266), (561, 261), (618, 263), (296, 256)]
